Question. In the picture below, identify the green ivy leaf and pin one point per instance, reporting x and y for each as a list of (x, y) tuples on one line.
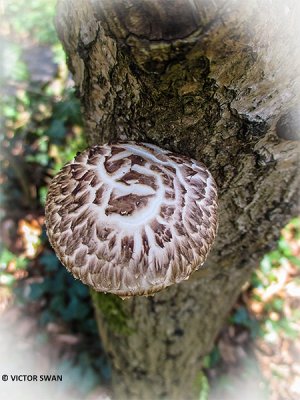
[(57, 130), (49, 261), (37, 290)]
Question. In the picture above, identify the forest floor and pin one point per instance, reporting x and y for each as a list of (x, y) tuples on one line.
[(46, 317)]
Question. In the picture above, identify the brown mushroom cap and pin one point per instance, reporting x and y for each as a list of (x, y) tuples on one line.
[(131, 218)]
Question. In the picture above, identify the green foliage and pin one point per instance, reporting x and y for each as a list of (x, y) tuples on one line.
[(275, 323), (7, 259), (203, 384), (265, 275), (42, 131), (68, 299), (271, 323), (111, 307), (49, 129), (42, 121), (58, 138), (284, 326), (32, 18), (212, 359), (7, 256), (13, 67), (242, 317)]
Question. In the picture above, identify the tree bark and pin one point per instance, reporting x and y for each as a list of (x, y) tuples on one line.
[(217, 81)]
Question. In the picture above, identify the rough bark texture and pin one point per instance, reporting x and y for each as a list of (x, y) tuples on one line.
[(217, 81)]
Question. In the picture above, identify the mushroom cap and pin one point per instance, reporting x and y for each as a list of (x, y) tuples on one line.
[(130, 218)]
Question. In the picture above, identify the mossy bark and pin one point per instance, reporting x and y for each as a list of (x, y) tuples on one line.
[(217, 81)]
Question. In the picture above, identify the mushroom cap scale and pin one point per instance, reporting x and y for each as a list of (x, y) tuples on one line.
[(131, 218)]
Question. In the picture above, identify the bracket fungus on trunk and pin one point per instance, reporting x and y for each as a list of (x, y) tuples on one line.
[(130, 218)]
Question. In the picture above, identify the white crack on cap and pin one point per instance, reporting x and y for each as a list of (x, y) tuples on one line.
[(130, 218)]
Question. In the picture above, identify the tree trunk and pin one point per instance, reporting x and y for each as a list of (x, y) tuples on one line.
[(217, 81)]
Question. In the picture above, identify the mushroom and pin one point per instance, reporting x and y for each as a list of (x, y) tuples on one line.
[(131, 218)]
